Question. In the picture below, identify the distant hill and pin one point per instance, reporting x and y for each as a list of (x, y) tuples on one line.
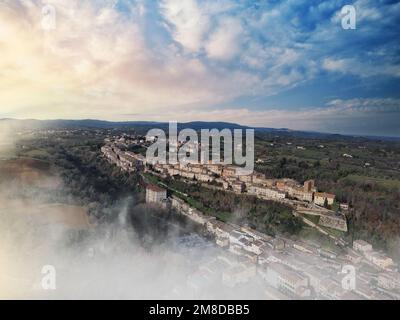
[(196, 125)]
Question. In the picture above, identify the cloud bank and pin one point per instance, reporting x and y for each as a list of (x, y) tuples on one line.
[(109, 59)]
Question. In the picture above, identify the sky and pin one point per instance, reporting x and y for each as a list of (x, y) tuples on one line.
[(270, 63)]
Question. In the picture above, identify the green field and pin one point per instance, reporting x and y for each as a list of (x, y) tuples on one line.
[(312, 218)]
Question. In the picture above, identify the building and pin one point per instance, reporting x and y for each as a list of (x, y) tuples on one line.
[(254, 247), (204, 177), (220, 230), (277, 244), (285, 279), (174, 171), (379, 259), (327, 254), (364, 290), (258, 178), (316, 276), (235, 237), (320, 198), (274, 294), (265, 192), (155, 194), (225, 184), (238, 274), (389, 280), (303, 247), (229, 171), (353, 257), (195, 168), (215, 168), (309, 186), (362, 246), (223, 242), (187, 174), (246, 178), (330, 289), (285, 184), (238, 186), (298, 192)]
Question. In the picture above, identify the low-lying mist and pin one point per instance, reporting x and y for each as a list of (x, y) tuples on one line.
[(40, 226), (99, 260)]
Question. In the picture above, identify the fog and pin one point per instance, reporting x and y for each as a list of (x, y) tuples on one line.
[(133, 257), (106, 261)]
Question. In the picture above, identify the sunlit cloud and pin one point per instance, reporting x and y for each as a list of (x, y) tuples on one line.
[(110, 59)]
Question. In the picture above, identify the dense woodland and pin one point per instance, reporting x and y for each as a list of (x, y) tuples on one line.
[(87, 177)]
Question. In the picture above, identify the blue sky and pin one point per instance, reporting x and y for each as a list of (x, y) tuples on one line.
[(263, 63)]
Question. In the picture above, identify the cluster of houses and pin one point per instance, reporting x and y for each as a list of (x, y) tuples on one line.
[(290, 269), (244, 248), (126, 160), (377, 258), (231, 178)]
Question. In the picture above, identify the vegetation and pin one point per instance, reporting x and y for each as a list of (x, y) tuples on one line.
[(86, 175), (266, 216), (369, 180)]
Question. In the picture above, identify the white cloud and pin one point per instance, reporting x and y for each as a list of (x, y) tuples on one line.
[(225, 42), (189, 22), (355, 67), (340, 65), (97, 62), (103, 63), (375, 105)]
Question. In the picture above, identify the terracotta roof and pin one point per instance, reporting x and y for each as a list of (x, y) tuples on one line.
[(325, 195), (155, 188)]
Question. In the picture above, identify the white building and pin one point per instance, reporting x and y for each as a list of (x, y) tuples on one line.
[(265, 192), (320, 198), (379, 259), (362, 246), (155, 194), (353, 257), (389, 280), (286, 279), (303, 247), (238, 274)]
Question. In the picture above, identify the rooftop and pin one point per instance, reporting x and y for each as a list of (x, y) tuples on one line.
[(361, 242), (285, 271), (324, 195), (154, 188)]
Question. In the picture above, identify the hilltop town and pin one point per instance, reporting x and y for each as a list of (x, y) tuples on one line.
[(289, 268)]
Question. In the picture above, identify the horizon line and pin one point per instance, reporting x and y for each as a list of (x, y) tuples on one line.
[(216, 121)]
